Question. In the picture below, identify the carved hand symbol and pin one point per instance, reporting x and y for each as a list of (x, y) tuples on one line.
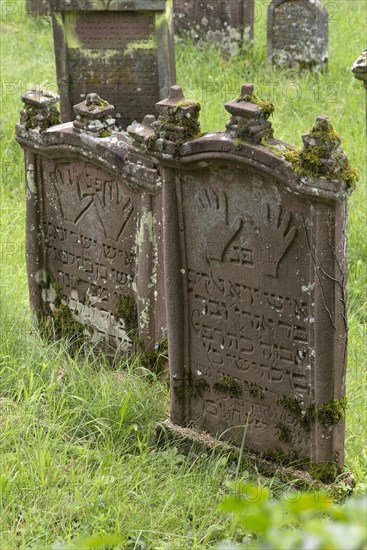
[(114, 212), (275, 238), (66, 182), (222, 234)]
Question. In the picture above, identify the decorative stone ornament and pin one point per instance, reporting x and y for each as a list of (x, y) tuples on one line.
[(178, 121), (40, 110), (249, 120), (93, 116)]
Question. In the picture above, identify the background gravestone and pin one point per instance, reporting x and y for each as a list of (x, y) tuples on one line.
[(256, 270), (297, 34), (121, 50), (359, 70), (227, 23), (94, 246)]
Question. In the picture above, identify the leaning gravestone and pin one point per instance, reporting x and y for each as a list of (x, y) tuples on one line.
[(94, 246), (256, 271), (297, 35), (227, 23), (121, 50)]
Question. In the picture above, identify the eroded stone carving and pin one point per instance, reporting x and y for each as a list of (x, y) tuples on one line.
[(256, 268), (93, 242)]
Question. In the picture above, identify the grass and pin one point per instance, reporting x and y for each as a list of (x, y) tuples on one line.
[(77, 435)]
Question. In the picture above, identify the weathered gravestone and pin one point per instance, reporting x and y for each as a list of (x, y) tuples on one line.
[(94, 246), (359, 70), (297, 35), (122, 50), (227, 23), (255, 273)]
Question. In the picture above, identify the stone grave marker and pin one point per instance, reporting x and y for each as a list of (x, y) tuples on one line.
[(255, 272), (94, 247), (227, 23), (297, 34), (122, 50), (359, 71)]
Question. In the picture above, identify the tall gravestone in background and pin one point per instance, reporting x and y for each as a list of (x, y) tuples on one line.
[(227, 23), (94, 246), (122, 50), (255, 273), (297, 35)]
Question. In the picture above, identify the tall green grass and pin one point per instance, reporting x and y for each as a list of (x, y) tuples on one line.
[(77, 435)]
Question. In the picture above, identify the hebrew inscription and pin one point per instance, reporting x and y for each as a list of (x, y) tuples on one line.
[(250, 324), (89, 228)]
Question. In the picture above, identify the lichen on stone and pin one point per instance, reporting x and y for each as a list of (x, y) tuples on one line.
[(322, 156)]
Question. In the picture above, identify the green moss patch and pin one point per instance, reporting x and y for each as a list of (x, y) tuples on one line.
[(156, 361), (328, 414), (127, 311), (267, 107), (323, 145), (229, 386)]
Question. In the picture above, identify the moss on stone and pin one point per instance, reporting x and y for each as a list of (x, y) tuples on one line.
[(156, 361), (305, 417), (279, 456), (328, 414), (126, 310), (284, 433), (326, 472), (331, 413), (198, 386), (58, 291), (228, 386), (105, 133), (60, 324), (310, 160), (267, 107)]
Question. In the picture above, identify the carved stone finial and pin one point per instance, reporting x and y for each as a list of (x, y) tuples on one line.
[(39, 111), (93, 116), (359, 68), (249, 120), (178, 120), (322, 156), (141, 132)]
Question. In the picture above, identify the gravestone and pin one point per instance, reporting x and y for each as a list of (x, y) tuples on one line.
[(94, 246), (359, 70), (255, 272), (227, 23), (297, 34), (122, 50)]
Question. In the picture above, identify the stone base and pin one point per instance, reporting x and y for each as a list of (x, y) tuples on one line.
[(191, 440)]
